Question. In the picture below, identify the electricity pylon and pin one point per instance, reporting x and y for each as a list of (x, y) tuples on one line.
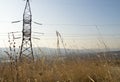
[(59, 37), (26, 50)]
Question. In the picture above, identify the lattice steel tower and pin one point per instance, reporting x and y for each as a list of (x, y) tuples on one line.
[(26, 50)]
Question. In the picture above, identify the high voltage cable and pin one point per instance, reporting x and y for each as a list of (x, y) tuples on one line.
[(73, 24), (82, 25), (52, 34), (75, 35)]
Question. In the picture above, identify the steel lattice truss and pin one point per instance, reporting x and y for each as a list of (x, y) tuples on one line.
[(26, 46)]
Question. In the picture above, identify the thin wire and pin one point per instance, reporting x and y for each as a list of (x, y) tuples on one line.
[(72, 24), (72, 35), (85, 25)]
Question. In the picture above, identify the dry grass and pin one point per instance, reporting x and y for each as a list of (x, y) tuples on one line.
[(72, 69)]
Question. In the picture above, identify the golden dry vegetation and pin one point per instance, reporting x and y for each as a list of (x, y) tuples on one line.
[(61, 69)]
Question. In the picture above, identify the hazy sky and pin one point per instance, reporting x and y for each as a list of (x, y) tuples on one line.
[(70, 17)]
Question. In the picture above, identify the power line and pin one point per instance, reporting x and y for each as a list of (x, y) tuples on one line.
[(52, 34), (83, 24), (117, 24)]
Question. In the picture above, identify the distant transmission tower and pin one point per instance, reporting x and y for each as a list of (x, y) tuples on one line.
[(26, 46)]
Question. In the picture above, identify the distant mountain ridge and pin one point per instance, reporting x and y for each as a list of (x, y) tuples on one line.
[(50, 51)]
